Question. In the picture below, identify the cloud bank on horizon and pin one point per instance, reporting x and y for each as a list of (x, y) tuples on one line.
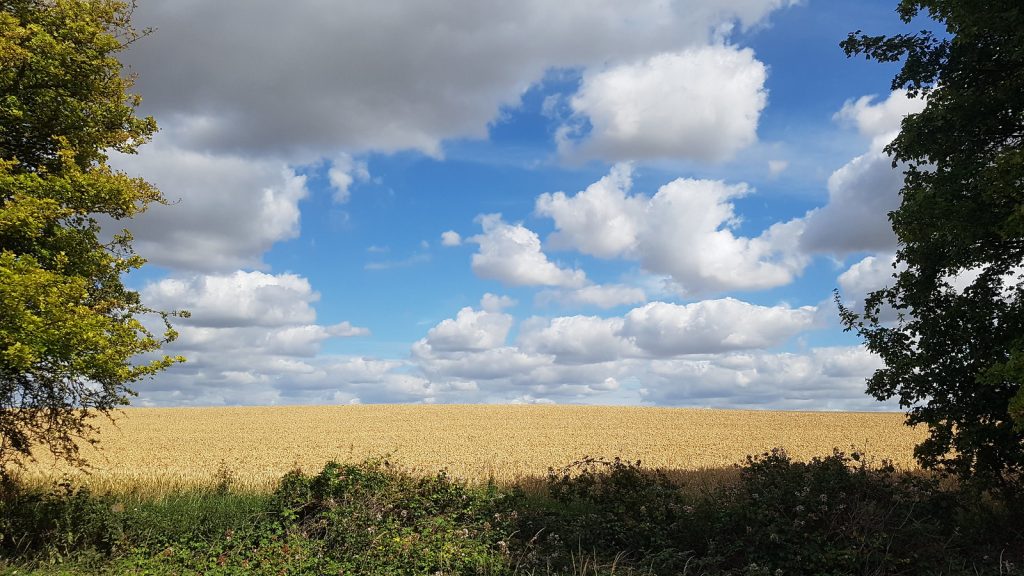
[(594, 202)]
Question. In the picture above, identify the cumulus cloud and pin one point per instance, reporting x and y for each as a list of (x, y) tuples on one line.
[(861, 195), (225, 210), (689, 237), (603, 220), (964, 278), (694, 354), (662, 330), (878, 271), (495, 303), (450, 238), (499, 365), (701, 103), (596, 295), (879, 121), (250, 338), (585, 357), (344, 171), (576, 339), (229, 89), (240, 115), (684, 231), (869, 274), (373, 380), (470, 330), (537, 365), (511, 253), (711, 326), (238, 299), (863, 191), (821, 379)]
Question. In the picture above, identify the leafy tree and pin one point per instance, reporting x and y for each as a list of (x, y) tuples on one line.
[(69, 328), (955, 356)]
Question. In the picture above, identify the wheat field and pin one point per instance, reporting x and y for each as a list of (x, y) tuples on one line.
[(167, 448)]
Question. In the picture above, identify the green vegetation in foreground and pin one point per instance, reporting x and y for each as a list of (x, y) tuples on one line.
[(832, 515)]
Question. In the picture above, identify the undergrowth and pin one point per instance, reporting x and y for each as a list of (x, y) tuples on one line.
[(833, 515)]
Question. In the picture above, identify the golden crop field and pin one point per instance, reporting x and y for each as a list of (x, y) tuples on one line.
[(188, 446)]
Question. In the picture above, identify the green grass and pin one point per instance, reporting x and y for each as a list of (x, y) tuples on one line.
[(831, 515)]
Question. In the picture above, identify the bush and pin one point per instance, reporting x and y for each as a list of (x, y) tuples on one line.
[(832, 515), (376, 519), (619, 509), (57, 524)]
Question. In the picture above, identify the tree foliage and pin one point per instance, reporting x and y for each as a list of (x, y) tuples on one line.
[(955, 355), (70, 331)]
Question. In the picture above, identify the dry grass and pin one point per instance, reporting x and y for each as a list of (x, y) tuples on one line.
[(165, 448)]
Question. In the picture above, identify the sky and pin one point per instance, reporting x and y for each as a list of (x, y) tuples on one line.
[(603, 202)]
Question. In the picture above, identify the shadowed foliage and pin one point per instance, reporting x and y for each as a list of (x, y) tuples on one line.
[(955, 356)]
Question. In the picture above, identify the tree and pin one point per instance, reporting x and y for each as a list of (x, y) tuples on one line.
[(70, 331), (955, 355)]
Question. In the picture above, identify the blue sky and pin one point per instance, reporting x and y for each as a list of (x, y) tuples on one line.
[(586, 202)]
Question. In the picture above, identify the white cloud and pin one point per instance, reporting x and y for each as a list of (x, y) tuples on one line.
[(344, 171), (450, 238), (574, 358), (701, 103), (587, 357), (230, 89), (252, 338), (531, 399), (869, 274), (548, 361), (597, 295), (861, 195), (298, 341), (576, 339), (238, 299), (603, 220), (683, 231), (711, 326), (239, 115), (879, 121), (862, 192), (499, 364), (688, 236), (371, 380), (494, 303), (866, 276), (776, 167), (821, 379), (964, 278), (225, 210), (470, 330), (511, 253), (346, 330)]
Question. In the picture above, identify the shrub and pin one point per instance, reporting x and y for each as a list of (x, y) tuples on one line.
[(832, 515), (58, 523), (615, 509), (377, 519), (835, 515)]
